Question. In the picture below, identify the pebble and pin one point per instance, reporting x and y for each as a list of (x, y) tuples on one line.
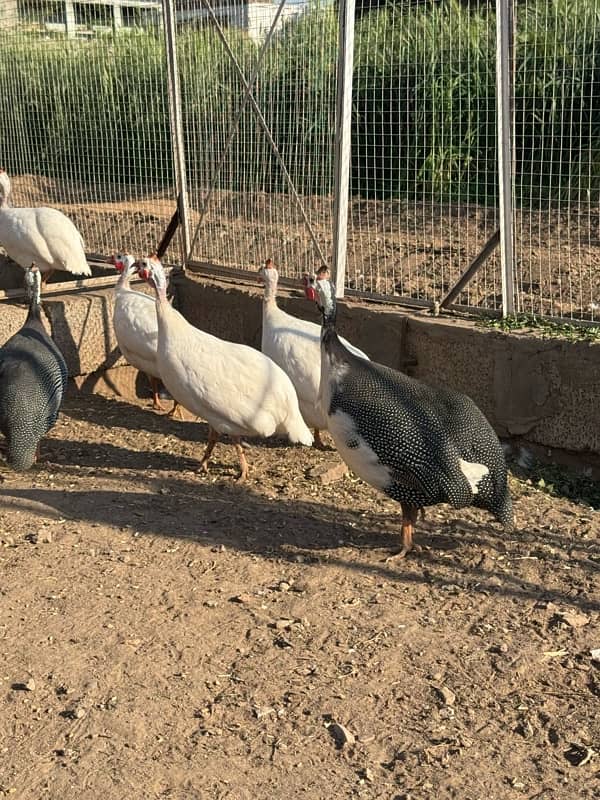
[(343, 737), (447, 695)]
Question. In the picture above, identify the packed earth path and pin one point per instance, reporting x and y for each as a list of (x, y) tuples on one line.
[(170, 634)]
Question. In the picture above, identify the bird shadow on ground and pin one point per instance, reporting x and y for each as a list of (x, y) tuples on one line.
[(109, 413), (477, 558)]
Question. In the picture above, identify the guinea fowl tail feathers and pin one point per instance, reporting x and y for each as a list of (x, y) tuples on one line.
[(21, 456), (504, 514)]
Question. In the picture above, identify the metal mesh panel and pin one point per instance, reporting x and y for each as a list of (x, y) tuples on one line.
[(557, 157), (89, 131), (88, 128), (258, 83), (424, 179)]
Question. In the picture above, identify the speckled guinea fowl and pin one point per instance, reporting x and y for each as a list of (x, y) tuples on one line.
[(33, 379), (418, 444)]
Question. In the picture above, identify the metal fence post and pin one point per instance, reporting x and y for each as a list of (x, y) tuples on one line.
[(504, 124), (343, 121), (176, 120)]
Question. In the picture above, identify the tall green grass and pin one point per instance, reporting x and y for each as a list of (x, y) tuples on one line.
[(423, 112)]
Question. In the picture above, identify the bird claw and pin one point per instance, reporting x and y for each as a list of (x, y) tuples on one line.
[(397, 556), (176, 413), (318, 442)]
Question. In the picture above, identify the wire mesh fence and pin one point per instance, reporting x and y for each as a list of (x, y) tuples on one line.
[(259, 117), (86, 122), (424, 160), (557, 157), (90, 131)]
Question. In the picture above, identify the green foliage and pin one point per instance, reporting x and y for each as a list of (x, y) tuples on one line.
[(544, 328), (423, 108), (81, 109), (560, 481)]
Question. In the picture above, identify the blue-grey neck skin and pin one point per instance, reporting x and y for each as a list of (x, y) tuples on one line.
[(33, 283)]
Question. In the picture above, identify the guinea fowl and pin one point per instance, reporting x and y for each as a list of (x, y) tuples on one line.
[(135, 325), (43, 236), (418, 444), (33, 380), (294, 344), (238, 390)]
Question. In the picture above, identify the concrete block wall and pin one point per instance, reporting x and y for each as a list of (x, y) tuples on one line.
[(545, 392)]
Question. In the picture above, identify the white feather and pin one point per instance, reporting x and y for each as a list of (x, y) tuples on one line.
[(361, 459), (236, 389), (473, 473), (41, 236), (136, 329)]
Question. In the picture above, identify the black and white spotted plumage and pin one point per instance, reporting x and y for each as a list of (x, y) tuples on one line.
[(33, 380), (418, 444)]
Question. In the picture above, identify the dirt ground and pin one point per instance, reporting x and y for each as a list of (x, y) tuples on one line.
[(165, 634)]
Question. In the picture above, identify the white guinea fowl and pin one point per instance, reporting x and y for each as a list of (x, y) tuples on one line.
[(295, 345), (238, 390), (44, 236), (135, 325)]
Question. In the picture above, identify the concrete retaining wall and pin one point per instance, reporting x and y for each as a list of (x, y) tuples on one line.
[(545, 391)]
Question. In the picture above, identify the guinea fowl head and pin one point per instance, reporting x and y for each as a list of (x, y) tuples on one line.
[(151, 270), (269, 276), (310, 291), (4, 188), (326, 301), (124, 263)]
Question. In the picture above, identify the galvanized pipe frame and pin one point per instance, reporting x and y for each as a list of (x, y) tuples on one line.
[(505, 132), (176, 120)]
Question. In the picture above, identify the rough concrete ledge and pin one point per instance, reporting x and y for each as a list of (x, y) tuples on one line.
[(81, 325), (540, 391), (544, 392)]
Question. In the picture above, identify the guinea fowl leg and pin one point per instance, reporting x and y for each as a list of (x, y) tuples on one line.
[(243, 463), (213, 438), (176, 412), (155, 384), (409, 518), (317, 441)]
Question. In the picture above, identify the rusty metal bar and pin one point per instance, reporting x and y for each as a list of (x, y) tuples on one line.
[(483, 255)]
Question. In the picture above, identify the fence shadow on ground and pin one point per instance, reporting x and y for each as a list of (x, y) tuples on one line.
[(117, 412), (457, 552)]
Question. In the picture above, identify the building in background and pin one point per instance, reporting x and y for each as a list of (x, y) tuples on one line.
[(253, 16), (86, 18)]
